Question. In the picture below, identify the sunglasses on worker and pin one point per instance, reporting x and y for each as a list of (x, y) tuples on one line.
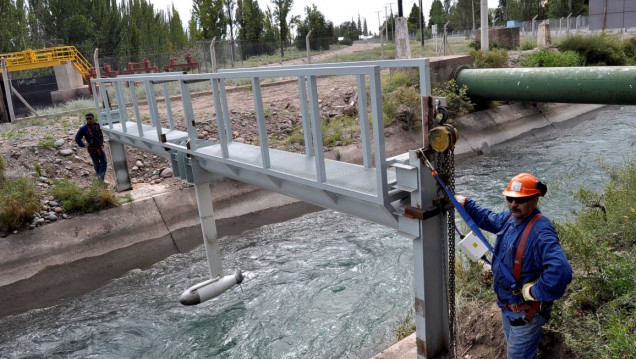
[(519, 200)]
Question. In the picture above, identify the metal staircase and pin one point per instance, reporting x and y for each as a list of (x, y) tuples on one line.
[(52, 56)]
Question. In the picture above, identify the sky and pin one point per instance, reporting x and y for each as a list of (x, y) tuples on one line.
[(336, 11)]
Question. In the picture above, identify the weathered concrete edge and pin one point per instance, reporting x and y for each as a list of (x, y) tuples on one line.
[(168, 224)]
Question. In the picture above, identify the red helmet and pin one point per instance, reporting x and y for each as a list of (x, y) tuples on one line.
[(524, 185)]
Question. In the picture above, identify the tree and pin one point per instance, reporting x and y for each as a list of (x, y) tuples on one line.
[(281, 10), (365, 29), (562, 8), (359, 24), (210, 18), (321, 30), (437, 15), (461, 14), (413, 22), (13, 26), (251, 29), (178, 38)]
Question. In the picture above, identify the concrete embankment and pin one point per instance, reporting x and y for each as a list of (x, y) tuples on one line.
[(41, 267)]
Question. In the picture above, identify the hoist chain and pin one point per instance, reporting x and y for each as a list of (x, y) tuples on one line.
[(445, 164)]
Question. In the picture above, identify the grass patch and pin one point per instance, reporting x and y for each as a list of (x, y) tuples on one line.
[(19, 201), (546, 58), (338, 131), (495, 58), (47, 142), (528, 44), (83, 200)]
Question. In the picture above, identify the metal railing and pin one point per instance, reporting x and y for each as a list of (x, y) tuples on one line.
[(363, 190)]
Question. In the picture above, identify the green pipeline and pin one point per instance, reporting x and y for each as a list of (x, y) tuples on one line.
[(589, 85)]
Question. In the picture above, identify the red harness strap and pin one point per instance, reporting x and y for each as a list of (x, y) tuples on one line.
[(531, 308), (522, 246)]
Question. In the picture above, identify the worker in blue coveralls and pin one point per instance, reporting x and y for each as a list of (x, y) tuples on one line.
[(94, 137), (527, 244)]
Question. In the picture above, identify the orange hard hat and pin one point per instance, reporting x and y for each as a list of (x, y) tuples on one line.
[(523, 185)]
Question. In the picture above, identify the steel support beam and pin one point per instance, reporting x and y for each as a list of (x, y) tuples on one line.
[(120, 167)]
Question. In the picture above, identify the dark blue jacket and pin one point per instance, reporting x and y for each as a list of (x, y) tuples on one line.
[(543, 258), (93, 135)]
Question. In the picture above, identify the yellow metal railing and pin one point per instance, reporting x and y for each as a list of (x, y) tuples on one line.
[(52, 56)]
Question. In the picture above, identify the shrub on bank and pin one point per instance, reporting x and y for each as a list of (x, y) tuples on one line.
[(457, 102), (19, 201), (545, 58), (495, 58), (596, 50), (83, 200)]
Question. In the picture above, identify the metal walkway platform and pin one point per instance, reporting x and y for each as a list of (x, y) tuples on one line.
[(379, 189), (365, 190)]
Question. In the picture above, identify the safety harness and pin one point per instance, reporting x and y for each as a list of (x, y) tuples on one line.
[(96, 133), (531, 308)]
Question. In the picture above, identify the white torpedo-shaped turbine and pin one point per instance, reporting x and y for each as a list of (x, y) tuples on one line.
[(210, 289)]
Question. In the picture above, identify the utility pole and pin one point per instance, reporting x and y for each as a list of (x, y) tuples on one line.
[(379, 23), (393, 20), (421, 15), (386, 16)]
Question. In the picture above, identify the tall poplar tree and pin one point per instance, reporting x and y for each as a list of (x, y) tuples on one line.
[(210, 18), (281, 11)]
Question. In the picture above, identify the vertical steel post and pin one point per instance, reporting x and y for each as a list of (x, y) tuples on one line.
[(166, 98), (218, 107), (375, 86), (431, 300), (363, 115), (152, 107), (121, 106), (260, 121), (120, 167), (316, 124), (188, 114), (133, 97), (302, 90), (206, 217)]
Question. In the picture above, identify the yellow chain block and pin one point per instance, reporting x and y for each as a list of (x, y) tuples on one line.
[(441, 138)]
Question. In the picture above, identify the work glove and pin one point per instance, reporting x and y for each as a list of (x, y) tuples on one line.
[(527, 294), (461, 199)]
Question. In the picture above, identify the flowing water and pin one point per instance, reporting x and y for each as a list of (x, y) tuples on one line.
[(325, 285)]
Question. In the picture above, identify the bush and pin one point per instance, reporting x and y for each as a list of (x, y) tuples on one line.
[(528, 44), (458, 103), (596, 50), (19, 201), (496, 58), (545, 58), (409, 97), (78, 200), (598, 316), (346, 41)]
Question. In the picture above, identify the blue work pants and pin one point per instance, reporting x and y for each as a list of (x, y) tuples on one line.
[(523, 340), (99, 162)]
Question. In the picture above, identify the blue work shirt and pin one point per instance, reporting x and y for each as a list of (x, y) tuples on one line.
[(93, 135), (543, 259)]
